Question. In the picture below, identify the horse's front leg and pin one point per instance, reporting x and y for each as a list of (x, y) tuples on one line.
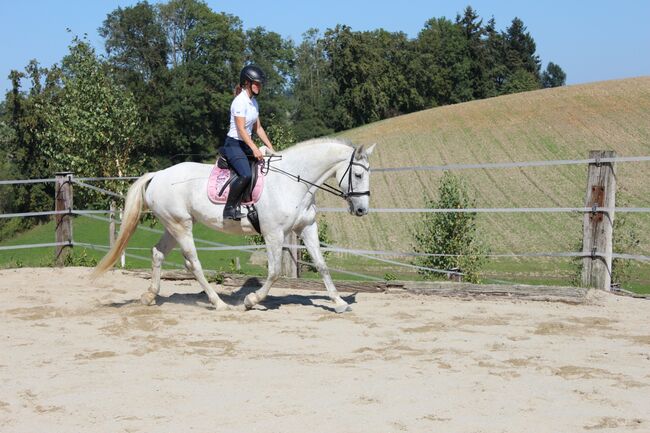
[(309, 237), (274, 254)]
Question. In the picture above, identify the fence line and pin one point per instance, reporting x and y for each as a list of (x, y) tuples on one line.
[(95, 179), (101, 190), (514, 164), (105, 248), (497, 210), (28, 246), (387, 210), (408, 168), (25, 181), (176, 265), (149, 229)]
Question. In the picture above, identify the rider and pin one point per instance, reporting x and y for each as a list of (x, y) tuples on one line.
[(244, 120)]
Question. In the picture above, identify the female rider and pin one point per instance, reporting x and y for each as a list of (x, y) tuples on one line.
[(244, 120)]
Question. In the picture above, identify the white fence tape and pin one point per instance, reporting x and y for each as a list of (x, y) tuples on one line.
[(27, 246), (493, 165), (497, 210)]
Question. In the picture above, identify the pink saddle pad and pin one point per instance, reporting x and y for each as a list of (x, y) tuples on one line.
[(219, 177)]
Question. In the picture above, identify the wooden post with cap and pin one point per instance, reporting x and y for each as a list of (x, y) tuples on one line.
[(63, 202), (290, 265), (598, 226)]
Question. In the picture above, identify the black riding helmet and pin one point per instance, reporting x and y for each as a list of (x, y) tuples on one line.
[(253, 74)]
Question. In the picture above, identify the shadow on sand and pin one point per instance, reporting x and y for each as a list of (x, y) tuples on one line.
[(236, 299)]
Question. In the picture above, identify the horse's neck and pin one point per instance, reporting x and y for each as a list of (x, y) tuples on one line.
[(316, 162)]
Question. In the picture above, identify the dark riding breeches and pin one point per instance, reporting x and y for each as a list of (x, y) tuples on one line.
[(235, 152)]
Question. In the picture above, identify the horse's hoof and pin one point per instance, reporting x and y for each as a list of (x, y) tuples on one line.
[(148, 298), (343, 308), (251, 300), (222, 307)]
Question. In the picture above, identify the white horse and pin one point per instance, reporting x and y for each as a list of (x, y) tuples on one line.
[(177, 196)]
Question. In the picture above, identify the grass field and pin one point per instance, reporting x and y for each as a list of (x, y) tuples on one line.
[(96, 232)]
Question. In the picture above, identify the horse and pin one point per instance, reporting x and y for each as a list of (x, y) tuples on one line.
[(177, 197)]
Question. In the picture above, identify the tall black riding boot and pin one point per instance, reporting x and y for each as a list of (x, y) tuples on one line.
[(237, 188)]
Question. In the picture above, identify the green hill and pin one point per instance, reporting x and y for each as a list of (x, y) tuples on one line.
[(550, 124)]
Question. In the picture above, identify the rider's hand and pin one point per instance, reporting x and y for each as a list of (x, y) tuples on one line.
[(258, 154)]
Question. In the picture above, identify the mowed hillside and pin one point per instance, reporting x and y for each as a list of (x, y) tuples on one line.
[(550, 124)]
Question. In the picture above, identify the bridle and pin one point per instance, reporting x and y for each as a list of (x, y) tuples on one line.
[(325, 187), (348, 171)]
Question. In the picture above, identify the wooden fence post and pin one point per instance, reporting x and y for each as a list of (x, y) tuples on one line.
[(63, 202), (111, 224), (290, 265), (598, 226)]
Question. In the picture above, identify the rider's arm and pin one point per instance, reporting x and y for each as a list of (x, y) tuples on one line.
[(240, 123), (261, 133)]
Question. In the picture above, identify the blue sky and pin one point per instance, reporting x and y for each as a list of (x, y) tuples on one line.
[(591, 40)]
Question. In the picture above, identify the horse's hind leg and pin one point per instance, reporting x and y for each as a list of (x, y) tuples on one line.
[(158, 253), (186, 242)]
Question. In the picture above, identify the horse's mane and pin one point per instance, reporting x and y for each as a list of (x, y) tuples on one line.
[(317, 141)]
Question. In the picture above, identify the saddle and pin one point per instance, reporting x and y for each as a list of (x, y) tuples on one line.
[(221, 177)]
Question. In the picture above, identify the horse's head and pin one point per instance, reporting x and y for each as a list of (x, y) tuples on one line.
[(355, 180)]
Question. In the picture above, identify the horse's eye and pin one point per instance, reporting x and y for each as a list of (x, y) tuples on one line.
[(357, 175)]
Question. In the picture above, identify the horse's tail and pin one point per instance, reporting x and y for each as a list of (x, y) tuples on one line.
[(132, 211)]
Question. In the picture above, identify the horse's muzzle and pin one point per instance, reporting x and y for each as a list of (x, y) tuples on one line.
[(361, 211)]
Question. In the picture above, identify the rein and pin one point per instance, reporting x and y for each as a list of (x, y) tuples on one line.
[(325, 187)]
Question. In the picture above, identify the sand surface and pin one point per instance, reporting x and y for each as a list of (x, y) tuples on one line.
[(77, 356)]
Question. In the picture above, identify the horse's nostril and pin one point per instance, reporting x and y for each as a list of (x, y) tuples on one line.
[(361, 211)]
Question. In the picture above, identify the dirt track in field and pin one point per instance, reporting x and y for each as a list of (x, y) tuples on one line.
[(81, 356)]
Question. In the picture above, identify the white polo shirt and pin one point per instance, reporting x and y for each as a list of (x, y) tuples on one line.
[(243, 106)]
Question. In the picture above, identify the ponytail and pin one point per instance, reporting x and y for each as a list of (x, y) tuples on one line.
[(238, 89)]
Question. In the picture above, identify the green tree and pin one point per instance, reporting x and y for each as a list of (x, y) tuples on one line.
[(135, 41), (520, 60), (24, 119), (442, 65), (368, 69), (520, 81), (471, 25), (276, 57), (313, 88), (553, 76), (91, 127), (453, 237)]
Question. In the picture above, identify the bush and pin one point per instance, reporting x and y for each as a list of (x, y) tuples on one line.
[(452, 235)]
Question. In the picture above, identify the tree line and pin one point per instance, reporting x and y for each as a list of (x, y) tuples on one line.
[(161, 92)]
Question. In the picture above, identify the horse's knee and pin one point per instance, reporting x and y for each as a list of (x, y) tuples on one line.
[(157, 257)]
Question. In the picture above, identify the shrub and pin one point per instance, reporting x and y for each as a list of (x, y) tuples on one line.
[(452, 235)]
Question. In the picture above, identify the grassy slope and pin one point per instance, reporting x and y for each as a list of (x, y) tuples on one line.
[(561, 123), (96, 232)]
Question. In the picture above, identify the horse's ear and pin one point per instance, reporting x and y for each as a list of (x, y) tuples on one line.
[(359, 152), (370, 149)]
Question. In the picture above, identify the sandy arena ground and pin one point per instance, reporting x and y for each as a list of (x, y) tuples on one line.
[(77, 356)]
